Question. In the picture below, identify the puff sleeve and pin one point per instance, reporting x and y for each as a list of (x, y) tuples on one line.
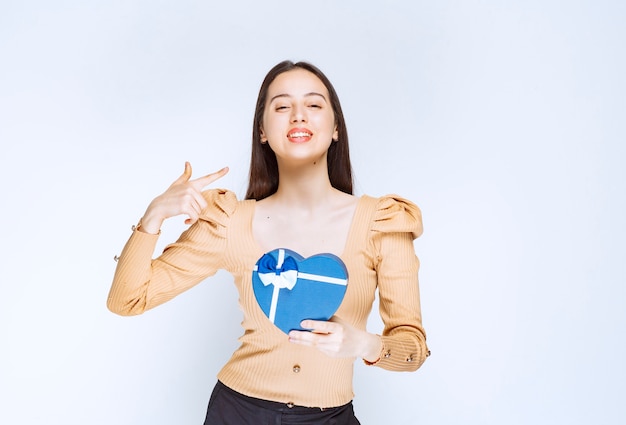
[(397, 222), (141, 283)]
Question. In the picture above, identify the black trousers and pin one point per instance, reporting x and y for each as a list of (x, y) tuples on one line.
[(228, 407)]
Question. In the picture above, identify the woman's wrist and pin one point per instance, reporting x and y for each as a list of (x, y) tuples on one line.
[(374, 348), (149, 224)]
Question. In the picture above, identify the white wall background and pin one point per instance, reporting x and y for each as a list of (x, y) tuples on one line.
[(503, 120)]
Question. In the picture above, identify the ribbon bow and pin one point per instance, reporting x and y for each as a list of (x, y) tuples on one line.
[(281, 273)]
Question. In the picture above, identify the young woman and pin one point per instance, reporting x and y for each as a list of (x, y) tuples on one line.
[(299, 197)]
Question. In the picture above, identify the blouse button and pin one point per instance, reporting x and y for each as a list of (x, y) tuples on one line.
[(387, 354), (290, 405), (410, 358), (296, 368)]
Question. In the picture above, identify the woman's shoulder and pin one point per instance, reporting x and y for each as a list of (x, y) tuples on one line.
[(394, 213), (221, 204)]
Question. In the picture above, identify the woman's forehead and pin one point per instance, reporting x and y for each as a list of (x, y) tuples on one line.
[(297, 82)]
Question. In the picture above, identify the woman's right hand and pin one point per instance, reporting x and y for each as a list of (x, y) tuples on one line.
[(184, 196)]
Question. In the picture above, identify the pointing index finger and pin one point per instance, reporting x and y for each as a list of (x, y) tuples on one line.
[(201, 182)]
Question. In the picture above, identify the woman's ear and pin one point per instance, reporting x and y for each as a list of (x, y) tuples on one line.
[(262, 134), (335, 135)]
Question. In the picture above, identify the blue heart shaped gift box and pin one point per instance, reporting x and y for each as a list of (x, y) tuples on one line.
[(290, 288)]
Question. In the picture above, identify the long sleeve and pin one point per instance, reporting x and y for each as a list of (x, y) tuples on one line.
[(397, 223), (141, 283)]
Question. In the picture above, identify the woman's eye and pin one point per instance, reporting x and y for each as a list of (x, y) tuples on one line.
[(315, 106), (282, 108)]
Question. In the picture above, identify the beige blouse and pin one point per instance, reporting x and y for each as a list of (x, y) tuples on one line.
[(379, 254)]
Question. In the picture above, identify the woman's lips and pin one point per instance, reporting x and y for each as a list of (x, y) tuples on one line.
[(299, 135)]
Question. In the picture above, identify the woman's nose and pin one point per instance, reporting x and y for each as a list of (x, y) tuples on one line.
[(298, 114)]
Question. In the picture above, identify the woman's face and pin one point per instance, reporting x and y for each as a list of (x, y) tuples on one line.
[(298, 121)]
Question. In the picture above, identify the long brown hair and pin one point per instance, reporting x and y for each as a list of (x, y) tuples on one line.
[(263, 178)]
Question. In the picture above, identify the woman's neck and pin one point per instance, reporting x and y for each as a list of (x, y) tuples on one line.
[(305, 186)]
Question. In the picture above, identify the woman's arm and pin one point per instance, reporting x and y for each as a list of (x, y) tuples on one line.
[(141, 283)]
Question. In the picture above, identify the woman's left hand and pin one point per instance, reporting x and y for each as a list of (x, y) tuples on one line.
[(337, 338)]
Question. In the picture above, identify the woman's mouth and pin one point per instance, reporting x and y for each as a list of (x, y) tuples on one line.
[(299, 135)]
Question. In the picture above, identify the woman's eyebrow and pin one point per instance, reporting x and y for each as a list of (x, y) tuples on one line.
[(306, 95), (315, 94)]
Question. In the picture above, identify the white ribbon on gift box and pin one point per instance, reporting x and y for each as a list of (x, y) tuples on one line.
[(287, 279)]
